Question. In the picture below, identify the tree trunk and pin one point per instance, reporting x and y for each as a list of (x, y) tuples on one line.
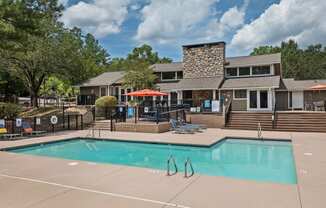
[(34, 100)]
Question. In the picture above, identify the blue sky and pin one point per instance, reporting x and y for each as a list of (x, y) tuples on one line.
[(121, 25)]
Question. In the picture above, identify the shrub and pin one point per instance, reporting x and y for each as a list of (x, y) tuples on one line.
[(106, 102), (9, 110)]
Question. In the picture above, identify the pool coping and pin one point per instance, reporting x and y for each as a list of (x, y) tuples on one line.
[(6, 149)]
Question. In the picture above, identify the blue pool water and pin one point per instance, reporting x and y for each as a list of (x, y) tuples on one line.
[(237, 158)]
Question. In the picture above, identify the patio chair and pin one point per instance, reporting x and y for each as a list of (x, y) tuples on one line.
[(180, 129), (198, 126), (194, 127), (27, 129), (4, 133)]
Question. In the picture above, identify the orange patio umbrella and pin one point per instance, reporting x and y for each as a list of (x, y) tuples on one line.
[(319, 87), (146, 93)]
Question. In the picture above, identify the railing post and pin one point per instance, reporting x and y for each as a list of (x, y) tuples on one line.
[(81, 122), (177, 114), (111, 120), (68, 121), (34, 120), (63, 115), (76, 122), (94, 111)]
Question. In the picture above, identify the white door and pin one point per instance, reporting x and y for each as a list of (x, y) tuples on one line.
[(297, 100)]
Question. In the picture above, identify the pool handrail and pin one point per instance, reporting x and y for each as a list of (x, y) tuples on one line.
[(171, 158), (188, 163)]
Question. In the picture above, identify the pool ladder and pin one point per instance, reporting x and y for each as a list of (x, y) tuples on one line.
[(171, 160), (188, 164), (91, 132)]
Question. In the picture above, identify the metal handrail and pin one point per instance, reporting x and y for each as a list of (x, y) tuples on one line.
[(259, 132), (227, 112), (188, 163), (274, 116), (171, 159)]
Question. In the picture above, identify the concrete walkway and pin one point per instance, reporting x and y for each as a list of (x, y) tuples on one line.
[(32, 181)]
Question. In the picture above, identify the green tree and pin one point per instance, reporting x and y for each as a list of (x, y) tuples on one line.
[(21, 18), (84, 56), (309, 63), (47, 48), (145, 53), (137, 64), (139, 75), (35, 57), (262, 50), (117, 64)]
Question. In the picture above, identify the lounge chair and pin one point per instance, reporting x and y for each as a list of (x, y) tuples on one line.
[(198, 126), (193, 127), (27, 129), (4, 133), (180, 129)]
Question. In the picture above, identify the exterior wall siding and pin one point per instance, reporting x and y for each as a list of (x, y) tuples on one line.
[(203, 60), (282, 100), (209, 120), (239, 105)]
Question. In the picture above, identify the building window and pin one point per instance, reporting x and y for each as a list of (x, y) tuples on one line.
[(180, 75), (231, 72), (261, 70), (168, 75), (240, 94), (123, 97), (103, 91), (244, 71)]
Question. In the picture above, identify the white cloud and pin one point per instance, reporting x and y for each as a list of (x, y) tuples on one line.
[(135, 7), (302, 20), (63, 2), (166, 20), (232, 19), (99, 17)]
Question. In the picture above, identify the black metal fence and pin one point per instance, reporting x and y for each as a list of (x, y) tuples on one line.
[(86, 99), (67, 122)]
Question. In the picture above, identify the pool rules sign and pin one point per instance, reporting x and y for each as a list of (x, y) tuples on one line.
[(54, 120)]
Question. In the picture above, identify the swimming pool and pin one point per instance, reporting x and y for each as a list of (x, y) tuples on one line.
[(270, 161)]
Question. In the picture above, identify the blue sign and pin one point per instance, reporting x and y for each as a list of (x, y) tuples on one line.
[(130, 112), (207, 104)]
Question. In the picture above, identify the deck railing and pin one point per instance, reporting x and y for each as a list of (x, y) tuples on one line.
[(274, 116)]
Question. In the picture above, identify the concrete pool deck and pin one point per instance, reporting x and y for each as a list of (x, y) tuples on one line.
[(33, 181)]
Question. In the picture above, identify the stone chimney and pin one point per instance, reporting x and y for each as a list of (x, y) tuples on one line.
[(203, 60)]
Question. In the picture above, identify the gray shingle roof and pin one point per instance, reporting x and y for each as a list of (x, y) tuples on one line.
[(293, 85), (253, 60), (192, 84), (176, 66), (106, 78), (252, 82)]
